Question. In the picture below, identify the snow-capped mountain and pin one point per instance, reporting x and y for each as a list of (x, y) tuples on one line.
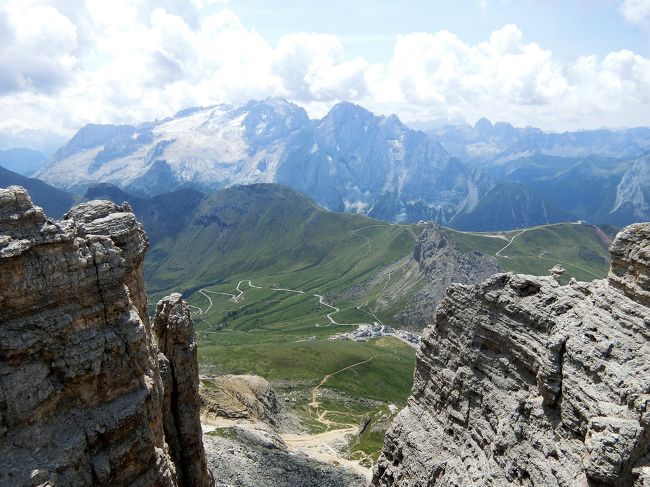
[(350, 160)]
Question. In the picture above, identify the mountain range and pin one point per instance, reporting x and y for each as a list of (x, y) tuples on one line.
[(22, 160), (597, 175), (351, 160), (486, 143), (482, 177), (54, 201)]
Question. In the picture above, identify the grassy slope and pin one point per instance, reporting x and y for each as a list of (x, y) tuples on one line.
[(278, 238), (577, 248), (279, 234)]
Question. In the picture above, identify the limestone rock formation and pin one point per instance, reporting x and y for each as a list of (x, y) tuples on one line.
[(81, 394), (253, 457), (179, 370), (522, 381), (242, 397), (439, 262), (245, 439)]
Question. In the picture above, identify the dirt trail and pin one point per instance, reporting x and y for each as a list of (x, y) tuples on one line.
[(314, 392), (498, 254), (325, 447)]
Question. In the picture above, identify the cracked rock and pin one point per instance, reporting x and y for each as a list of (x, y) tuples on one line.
[(82, 400), (522, 381)]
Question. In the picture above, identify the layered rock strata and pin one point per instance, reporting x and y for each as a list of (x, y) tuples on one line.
[(522, 381), (180, 375), (439, 262), (242, 397), (82, 400)]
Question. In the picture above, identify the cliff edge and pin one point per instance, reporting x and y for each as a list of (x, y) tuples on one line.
[(82, 397), (522, 381)]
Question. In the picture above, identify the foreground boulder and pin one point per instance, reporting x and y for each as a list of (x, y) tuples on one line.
[(82, 398), (522, 381)]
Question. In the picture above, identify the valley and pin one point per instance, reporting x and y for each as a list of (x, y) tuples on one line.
[(327, 306), (259, 311)]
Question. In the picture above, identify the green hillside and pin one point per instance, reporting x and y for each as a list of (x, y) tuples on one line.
[(581, 249), (265, 271)]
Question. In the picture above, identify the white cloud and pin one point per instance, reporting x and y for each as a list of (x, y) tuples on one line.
[(129, 61), (313, 67), (636, 11), (434, 76), (37, 49)]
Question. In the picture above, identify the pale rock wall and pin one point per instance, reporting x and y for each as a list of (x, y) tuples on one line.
[(522, 381)]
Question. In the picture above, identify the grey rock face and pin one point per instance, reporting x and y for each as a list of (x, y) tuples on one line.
[(257, 460), (246, 447), (174, 329), (81, 395), (243, 397), (523, 381), (352, 160), (441, 263)]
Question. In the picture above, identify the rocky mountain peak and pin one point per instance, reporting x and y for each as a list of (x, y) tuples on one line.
[(93, 135), (523, 381), (483, 126), (271, 119), (441, 262)]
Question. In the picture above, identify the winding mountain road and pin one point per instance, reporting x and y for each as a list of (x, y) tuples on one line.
[(498, 254)]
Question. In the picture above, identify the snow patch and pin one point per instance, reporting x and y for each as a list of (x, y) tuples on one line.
[(355, 206)]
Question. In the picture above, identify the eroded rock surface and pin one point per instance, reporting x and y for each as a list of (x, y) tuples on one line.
[(81, 394), (246, 428), (242, 397), (258, 457), (179, 371), (522, 381), (439, 262)]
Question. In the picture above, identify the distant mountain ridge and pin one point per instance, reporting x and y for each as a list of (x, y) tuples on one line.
[(22, 160), (354, 161), (54, 201), (600, 176), (351, 160), (486, 143)]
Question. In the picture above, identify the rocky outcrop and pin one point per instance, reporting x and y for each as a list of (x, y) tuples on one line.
[(180, 375), (242, 397), (253, 457), (82, 400), (439, 263), (522, 381), (246, 428)]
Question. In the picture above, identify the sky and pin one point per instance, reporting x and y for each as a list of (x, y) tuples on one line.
[(558, 65)]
